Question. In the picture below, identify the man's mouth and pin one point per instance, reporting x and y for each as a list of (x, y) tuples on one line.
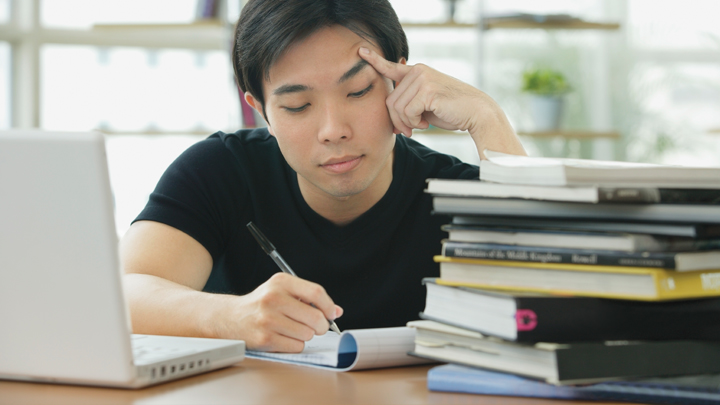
[(342, 164)]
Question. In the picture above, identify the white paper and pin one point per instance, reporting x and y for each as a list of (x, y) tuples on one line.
[(367, 348)]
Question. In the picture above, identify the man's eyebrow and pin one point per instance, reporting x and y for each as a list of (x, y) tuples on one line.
[(290, 88), (296, 88), (353, 70)]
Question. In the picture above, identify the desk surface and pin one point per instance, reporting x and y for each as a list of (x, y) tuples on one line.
[(259, 382)]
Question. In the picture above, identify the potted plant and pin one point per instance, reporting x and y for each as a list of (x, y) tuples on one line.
[(546, 88)]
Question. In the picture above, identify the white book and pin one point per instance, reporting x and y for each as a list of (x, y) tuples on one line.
[(513, 169), (587, 194)]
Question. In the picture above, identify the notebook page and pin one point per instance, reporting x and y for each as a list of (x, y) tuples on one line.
[(371, 348), (320, 350)]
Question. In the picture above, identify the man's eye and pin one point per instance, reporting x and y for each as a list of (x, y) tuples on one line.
[(361, 92), (297, 109)]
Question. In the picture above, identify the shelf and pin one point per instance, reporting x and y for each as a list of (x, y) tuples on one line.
[(200, 35), (198, 24), (520, 23), (572, 134), (199, 132), (449, 24)]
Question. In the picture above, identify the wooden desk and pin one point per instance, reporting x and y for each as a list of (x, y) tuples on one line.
[(258, 382)]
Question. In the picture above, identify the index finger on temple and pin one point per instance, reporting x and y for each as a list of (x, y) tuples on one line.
[(391, 70)]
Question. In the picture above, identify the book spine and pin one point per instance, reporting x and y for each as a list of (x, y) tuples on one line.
[(634, 359), (657, 391), (583, 319), (662, 213), (692, 284), (540, 255), (628, 195), (210, 9), (564, 319)]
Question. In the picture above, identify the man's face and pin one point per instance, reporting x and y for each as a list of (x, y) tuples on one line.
[(326, 107)]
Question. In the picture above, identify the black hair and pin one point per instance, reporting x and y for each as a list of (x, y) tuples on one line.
[(267, 28)]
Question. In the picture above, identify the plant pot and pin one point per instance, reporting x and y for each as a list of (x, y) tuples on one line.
[(546, 112)]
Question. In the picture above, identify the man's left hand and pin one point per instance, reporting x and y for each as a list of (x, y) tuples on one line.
[(423, 97)]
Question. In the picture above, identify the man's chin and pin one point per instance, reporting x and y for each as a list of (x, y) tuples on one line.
[(345, 192)]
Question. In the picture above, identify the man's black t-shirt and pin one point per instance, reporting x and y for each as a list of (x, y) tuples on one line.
[(372, 267)]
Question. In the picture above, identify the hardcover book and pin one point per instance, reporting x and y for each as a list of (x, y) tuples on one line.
[(662, 213), (576, 239), (688, 230), (586, 194), (634, 283), (575, 363), (671, 260), (686, 390), (471, 380), (533, 317)]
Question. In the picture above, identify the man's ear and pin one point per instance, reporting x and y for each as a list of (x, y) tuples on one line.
[(255, 104), (402, 61)]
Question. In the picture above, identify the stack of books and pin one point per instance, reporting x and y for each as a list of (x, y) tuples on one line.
[(577, 272)]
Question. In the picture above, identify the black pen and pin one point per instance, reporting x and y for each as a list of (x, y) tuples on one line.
[(269, 248)]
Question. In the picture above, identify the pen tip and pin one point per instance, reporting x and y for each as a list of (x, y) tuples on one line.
[(334, 327)]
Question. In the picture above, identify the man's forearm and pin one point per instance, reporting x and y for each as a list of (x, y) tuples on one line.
[(492, 130), (162, 307)]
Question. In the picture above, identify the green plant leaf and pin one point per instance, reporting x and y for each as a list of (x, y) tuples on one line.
[(544, 82)]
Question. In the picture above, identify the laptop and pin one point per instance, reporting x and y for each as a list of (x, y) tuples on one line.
[(63, 318)]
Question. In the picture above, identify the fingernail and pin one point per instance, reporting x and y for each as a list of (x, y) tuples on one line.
[(364, 51)]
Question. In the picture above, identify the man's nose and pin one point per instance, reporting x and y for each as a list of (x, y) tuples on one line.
[(334, 126)]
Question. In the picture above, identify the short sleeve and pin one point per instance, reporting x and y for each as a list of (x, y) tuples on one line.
[(200, 194)]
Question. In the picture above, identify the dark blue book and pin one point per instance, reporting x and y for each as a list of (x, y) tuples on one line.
[(672, 260), (690, 390)]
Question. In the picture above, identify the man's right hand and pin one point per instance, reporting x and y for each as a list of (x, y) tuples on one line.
[(165, 271), (277, 316)]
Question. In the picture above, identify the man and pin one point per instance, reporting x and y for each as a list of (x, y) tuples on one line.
[(330, 182)]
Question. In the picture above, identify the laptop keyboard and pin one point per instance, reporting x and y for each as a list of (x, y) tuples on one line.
[(145, 352)]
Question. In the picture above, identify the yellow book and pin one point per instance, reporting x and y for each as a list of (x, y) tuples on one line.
[(634, 283)]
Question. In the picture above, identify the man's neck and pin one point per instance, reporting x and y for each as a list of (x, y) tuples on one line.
[(343, 210)]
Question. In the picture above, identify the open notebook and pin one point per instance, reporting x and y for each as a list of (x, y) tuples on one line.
[(355, 349)]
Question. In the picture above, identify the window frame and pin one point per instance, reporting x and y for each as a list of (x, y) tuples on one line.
[(26, 36)]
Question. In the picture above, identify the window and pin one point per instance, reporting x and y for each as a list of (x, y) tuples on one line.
[(85, 13), (136, 90), (673, 25), (673, 91), (177, 93), (5, 85), (4, 11)]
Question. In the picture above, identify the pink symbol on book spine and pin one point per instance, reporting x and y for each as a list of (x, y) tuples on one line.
[(526, 320)]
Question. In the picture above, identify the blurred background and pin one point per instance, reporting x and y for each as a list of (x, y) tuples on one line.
[(641, 77)]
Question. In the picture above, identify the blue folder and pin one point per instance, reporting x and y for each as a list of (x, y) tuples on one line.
[(689, 390)]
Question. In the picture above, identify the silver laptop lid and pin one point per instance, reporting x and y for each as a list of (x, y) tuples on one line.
[(62, 314)]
